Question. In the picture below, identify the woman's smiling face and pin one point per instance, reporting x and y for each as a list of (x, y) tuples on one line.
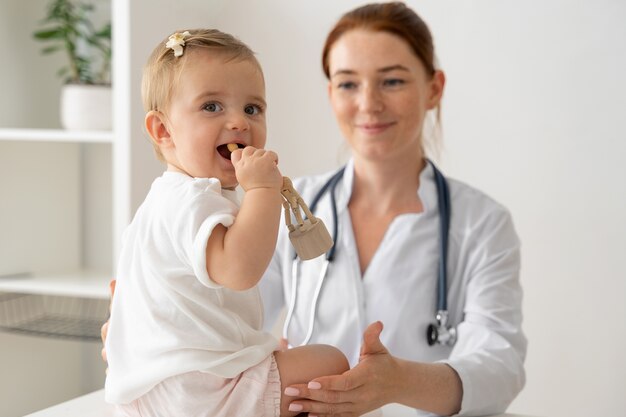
[(216, 101), (380, 93)]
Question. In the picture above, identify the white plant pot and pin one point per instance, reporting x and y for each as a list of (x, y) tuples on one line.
[(86, 107)]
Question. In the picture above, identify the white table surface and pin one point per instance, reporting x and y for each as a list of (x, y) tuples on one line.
[(93, 405)]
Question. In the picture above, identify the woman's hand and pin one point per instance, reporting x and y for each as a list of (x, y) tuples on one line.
[(105, 327), (371, 384), (379, 379)]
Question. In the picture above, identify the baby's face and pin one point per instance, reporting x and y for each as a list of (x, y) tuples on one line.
[(216, 102)]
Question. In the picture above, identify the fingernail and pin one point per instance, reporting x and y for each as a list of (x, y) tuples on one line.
[(295, 407), (314, 385), (292, 392)]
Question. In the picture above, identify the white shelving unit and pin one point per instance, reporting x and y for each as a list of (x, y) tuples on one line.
[(51, 242), (55, 135), (73, 279), (80, 283), (57, 192), (65, 198)]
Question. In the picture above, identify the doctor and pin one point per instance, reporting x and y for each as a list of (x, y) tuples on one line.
[(388, 207)]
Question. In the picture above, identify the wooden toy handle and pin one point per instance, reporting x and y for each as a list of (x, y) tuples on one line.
[(294, 202)]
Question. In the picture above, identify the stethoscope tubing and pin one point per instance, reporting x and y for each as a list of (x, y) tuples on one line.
[(292, 304), (443, 198), (332, 184)]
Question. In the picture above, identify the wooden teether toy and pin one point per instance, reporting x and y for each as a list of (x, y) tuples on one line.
[(309, 236)]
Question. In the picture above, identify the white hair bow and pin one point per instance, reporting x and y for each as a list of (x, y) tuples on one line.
[(176, 42)]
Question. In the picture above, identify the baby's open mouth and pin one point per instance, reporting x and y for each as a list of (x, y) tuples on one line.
[(226, 149)]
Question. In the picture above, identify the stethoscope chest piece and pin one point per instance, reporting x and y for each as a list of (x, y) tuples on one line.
[(440, 332)]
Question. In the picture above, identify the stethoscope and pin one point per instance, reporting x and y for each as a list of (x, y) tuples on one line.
[(438, 332)]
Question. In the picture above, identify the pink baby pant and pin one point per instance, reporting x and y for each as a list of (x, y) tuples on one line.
[(255, 392)]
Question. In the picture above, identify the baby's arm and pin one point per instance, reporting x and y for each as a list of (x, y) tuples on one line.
[(237, 256)]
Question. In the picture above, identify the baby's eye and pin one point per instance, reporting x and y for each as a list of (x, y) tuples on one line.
[(252, 109), (212, 107)]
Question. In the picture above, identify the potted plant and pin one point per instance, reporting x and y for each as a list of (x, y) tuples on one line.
[(86, 94)]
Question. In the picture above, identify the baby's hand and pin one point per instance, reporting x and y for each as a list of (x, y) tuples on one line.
[(256, 168)]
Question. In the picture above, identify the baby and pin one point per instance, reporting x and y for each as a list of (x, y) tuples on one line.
[(185, 334)]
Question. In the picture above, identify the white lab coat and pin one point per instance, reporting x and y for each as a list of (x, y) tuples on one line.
[(399, 288)]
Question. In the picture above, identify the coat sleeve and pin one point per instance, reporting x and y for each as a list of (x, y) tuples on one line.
[(491, 347)]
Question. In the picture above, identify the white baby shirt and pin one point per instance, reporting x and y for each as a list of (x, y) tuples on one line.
[(168, 316)]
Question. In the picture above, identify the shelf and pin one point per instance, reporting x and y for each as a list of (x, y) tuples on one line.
[(84, 284), (56, 135)]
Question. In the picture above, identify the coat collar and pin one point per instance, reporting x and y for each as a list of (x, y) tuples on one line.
[(427, 190)]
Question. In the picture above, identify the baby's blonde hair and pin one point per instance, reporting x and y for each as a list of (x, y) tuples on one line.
[(162, 71)]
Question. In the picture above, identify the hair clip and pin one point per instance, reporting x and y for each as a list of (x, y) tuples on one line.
[(176, 42)]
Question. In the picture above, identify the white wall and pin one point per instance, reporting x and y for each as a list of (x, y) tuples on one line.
[(532, 114)]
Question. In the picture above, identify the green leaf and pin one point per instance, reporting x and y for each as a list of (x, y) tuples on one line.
[(57, 33), (105, 32)]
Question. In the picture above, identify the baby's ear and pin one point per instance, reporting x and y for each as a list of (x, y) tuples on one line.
[(157, 129)]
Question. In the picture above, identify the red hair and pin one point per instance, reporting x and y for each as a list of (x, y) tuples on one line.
[(395, 18)]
